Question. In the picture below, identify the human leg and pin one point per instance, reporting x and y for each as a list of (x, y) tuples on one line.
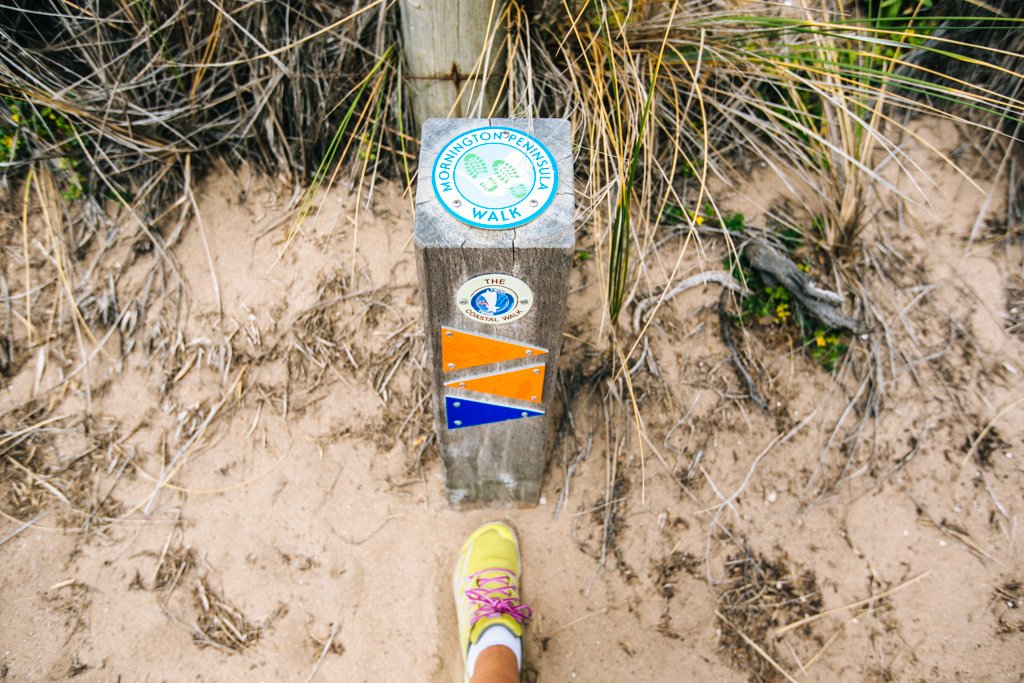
[(496, 664)]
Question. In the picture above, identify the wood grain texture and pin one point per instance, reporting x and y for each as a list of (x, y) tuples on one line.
[(500, 464), (443, 43)]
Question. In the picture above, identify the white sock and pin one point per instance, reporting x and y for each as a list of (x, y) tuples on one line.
[(495, 635)]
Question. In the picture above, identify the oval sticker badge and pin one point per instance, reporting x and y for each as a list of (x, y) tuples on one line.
[(494, 298), (495, 178)]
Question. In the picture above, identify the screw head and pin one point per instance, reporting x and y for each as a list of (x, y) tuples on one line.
[(533, 203), (533, 398), (462, 302), (462, 385), (458, 423), (525, 414), (448, 334), (456, 405), (536, 371), (451, 366), (456, 203), (524, 301), (529, 352)]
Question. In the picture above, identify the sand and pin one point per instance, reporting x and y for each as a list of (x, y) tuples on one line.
[(252, 490)]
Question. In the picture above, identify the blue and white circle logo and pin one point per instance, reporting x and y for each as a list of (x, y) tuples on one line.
[(495, 177), (493, 301), (494, 298)]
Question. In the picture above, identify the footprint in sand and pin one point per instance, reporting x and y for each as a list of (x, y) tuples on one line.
[(508, 174), (476, 167)]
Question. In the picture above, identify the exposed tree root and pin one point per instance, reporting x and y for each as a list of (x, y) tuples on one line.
[(737, 359)]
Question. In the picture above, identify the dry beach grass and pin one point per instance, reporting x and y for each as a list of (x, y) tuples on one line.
[(214, 428)]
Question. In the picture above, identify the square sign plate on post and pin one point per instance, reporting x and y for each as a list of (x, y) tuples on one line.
[(494, 244)]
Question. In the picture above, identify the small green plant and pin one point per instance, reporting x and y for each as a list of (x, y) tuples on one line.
[(792, 239), (73, 182), (766, 304), (673, 214), (52, 129), (827, 347), (733, 222), (45, 122), (367, 147), (12, 144)]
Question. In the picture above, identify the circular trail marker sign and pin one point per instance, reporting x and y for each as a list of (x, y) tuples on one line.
[(494, 298), (495, 178)]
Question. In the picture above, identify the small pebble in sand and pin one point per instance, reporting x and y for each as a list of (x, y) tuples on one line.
[(942, 543), (1008, 455), (772, 496), (906, 533)]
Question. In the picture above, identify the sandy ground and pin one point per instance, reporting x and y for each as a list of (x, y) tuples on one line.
[(243, 486)]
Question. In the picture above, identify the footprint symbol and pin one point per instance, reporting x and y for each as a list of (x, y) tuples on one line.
[(476, 167), (508, 174)]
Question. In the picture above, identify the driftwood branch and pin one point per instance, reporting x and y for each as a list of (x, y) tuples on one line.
[(820, 304)]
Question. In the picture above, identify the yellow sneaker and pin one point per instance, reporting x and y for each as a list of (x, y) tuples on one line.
[(486, 584)]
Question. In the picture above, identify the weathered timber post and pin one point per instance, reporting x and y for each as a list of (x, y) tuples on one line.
[(454, 53), (494, 242)]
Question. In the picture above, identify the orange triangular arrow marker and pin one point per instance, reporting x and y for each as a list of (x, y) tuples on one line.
[(461, 350), (525, 384)]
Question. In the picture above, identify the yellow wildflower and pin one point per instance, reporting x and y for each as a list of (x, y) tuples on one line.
[(699, 220), (819, 340)]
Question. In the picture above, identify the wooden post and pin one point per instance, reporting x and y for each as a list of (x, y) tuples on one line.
[(454, 53), (494, 296)]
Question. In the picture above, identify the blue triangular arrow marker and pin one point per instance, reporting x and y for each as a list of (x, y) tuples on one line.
[(462, 412)]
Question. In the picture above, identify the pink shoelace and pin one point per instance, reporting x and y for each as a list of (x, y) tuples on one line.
[(494, 595)]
